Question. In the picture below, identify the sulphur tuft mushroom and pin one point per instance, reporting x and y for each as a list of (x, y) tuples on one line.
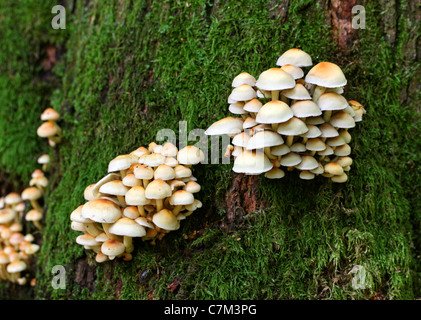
[(306, 109), (145, 195)]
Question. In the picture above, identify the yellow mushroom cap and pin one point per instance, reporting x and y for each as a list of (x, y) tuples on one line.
[(228, 125), (264, 139), (307, 163), (326, 74), (305, 108), (31, 193), (192, 186), (112, 247), (296, 57), (292, 127), (127, 227), (299, 92), (166, 220), (47, 129), (275, 173), (6, 215), (164, 172), (50, 114), (169, 150), (181, 197), (190, 155), (333, 168), (252, 162), (243, 78), (275, 79), (274, 112), (122, 162), (332, 101), (294, 71), (33, 215), (16, 266), (342, 119), (87, 240), (12, 198), (136, 196), (115, 187), (101, 210), (143, 172), (243, 92), (158, 189)]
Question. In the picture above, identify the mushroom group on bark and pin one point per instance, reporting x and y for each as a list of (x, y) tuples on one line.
[(49, 128), (16, 247), (145, 195), (287, 119)]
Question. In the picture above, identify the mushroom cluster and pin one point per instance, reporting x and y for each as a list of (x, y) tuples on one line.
[(49, 128), (289, 120), (145, 194), (16, 248)]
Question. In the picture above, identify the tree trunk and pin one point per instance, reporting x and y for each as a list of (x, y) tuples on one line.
[(123, 70)]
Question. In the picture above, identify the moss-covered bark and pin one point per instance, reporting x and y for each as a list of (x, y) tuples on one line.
[(126, 69)]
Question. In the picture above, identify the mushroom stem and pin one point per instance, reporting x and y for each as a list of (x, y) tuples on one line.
[(56, 139), (177, 209), (318, 91), (159, 204), (275, 95), (3, 272), (145, 183), (326, 115), (35, 205), (290, 140), (128, 243), (92, 229), (275, 126), (37, 224), (284, 99), (122, 201), (141, 211), (268, 153), (106, 227), (123, 173)]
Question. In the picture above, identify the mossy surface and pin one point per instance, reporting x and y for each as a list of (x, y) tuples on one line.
[(132, 68)]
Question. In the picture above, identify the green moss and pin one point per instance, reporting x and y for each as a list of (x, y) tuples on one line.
[(133, 68)]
